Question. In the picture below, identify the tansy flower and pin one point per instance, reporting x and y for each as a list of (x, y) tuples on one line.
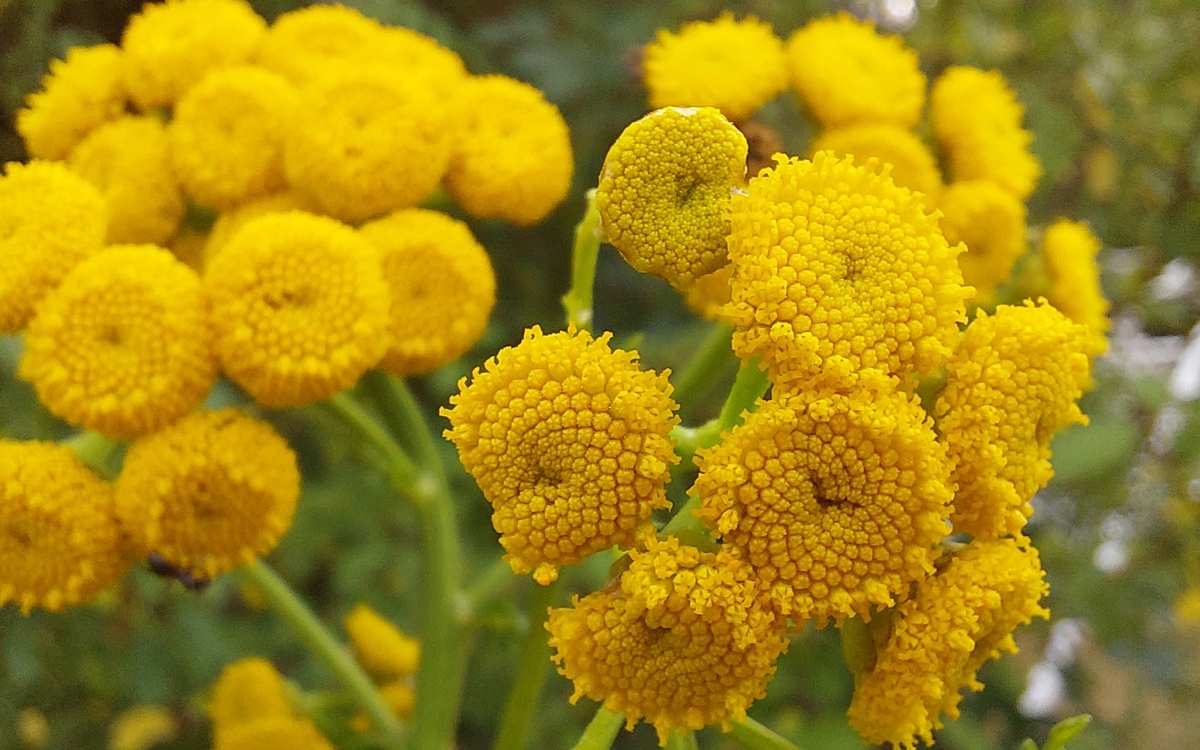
[(278, 732), (977, 120), (734, 66), (227, 135), (433, 265), (664, 191), (1012, 384), (568, 441), (958, 620), (836, 500), (208, 493), (229, 222), (913, 166), (419, 56), (1186, 610), (682, 641), (171, 46), (141, 728), (123, 345), (299, 307), (1069, 251), (79, 94), (379, 646), (59, 541), (511, 155), (247, 691), (129, 160), (846, 73), (990, 221), (852, 272), (709, 294), (50, 220)]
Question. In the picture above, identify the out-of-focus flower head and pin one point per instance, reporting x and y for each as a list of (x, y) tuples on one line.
[(141, 728), (79, 94), (229, 222), (380, 647), (248, 690), (913, 166), (275, 732), (990, 221), (1069, 252)]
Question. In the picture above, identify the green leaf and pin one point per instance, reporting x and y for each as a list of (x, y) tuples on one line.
[(1066, 730)]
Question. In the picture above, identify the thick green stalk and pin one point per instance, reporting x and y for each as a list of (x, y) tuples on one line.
[(601, 730), (682, 739), (696, 376), (491, 584), (749, 386), (750, 735), (398, 466), (578, 300), (401, 411), (517, 721)]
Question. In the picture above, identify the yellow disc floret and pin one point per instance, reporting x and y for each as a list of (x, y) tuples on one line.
[(990, 221), (79, 94), (228, 223), (1069, 252), (913, 166), (386, 653)]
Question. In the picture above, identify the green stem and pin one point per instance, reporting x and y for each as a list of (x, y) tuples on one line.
[(401, 411), (601, 731), (488, 586), (517, 721), (317, 638), (578, 300), (399, 467), (749, 386), (95, 450), (690, 439), (698, 374), (682, 739), (750, 735)]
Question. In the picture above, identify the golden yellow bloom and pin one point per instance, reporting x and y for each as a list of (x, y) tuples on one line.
[(169, 47), (399, 696), (59, 541), (299, 307), (913, 166), (683, 641), (1186, 610), (248, 690), (958, 620), (568, 441), (1012, 384), (227, 135), (708, 295), (442, 287), (977, 120), (846, 73), (734, 66), (33, 729), (294, 734), (123, 345), (1069, 250), (990, 221), (379, 646), (78, 95), (208, 493), (229, 222), (50, 220), (664, 191), (142, 727), (129, 160), (512, 151), (835, 266)]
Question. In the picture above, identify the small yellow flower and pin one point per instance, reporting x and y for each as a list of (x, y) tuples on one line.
[(665, 188), (568, 441), (1069, 250), (229, 222), (248, 690), (294, 734), (432, 264), (79, 94), (33, 729), (990, 221), (734, 66), (386, 653), (50, 221), (141, 728), (913, 166), (59, 540), (299, 308), (1186, 610), (208, 493), (846, 73)]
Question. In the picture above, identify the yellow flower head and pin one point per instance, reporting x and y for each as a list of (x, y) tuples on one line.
[(227, 135), (990, 221), (734, 66), (141, 728), (913, 166), (568, 441), (299, 307), (277, 732), (977, 120), (208, 493), (664, 191), (849, 74), (78, 95), (709, 294), (958, 620), (835, 264), (129, 160), (836, 500), (170, 46), (1012, 384), (512, 151), (368, 140), (442, 287), (123, 345), (59, 540), (379, 646), (1186, 610), (683, 641), (228, 223), (1069, 251), (50, 220), (248, 690)]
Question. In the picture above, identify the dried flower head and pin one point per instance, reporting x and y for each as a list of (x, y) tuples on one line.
[(79, 94)]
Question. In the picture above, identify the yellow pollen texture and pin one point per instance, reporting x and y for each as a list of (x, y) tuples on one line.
[(990, 221)]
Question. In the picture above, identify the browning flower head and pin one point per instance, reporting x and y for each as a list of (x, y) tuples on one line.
[(990, 221), (913, 166), (1069, 252), (665, 188), (248, 690), (568, 441), (79, 94), (383, 651), (123, 345)]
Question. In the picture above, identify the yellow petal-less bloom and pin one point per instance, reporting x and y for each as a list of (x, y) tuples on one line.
[(990, 221), (208, 493), (50, 221), (846, 73), (1185, 610), (568, 440), (169, 47), (379, 646), (141, 728), (278, 732), (229, 222), (977, 120), (708, 295), (959, 619), (59, 540), (835, 264), (248, 690), (913, 166), (299, 308), (665, 188), (79, 94), (511, 155), (1012, 384), (432, 264), (683, 641), (129, 160), (1069, 251), (123, 345), (734, 66), (836, 500)]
